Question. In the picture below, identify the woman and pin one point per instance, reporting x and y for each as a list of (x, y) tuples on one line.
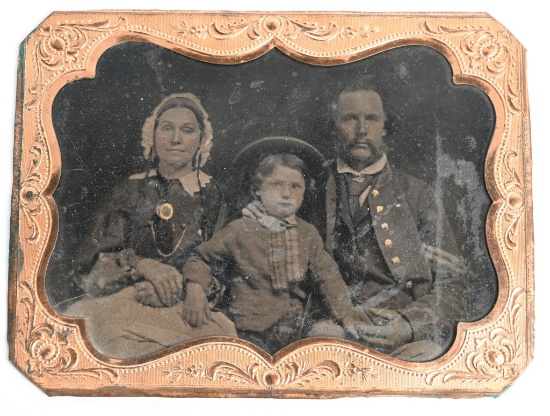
[(130, 266)]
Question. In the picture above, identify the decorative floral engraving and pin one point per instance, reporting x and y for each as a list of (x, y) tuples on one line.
[(48, 348), (29, 195), (200, 31), (487, 51), (274, 25), (350, 32), (494, 357), (515, 200), (351, 370), (259, 374), (61, 45)]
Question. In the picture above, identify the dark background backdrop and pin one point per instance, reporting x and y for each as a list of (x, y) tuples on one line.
[(440, 133)]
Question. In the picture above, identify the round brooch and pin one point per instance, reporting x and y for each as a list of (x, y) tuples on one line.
[(165, 211)]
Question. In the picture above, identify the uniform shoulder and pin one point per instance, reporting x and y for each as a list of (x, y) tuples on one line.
[(409, 182)]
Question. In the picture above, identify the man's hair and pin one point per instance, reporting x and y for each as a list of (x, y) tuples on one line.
[(268, 164), (348, 90)]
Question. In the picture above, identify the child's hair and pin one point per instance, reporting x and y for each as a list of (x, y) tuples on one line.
[(266, 167)]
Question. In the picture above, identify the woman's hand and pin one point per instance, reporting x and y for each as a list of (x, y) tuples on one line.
[(147, 295), (166, 280), (196, 308)]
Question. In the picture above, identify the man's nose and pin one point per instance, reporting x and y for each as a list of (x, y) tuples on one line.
[(362, 125)]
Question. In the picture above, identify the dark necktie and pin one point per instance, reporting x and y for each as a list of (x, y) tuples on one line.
[(355, 190)]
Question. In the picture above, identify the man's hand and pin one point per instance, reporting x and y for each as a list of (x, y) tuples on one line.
[(362, 316), (354, 327), (391, 330), (196, 308), (166, 280)]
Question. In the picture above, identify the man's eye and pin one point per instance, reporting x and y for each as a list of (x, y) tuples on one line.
[(277, 184), (296, 186), (348, 118)]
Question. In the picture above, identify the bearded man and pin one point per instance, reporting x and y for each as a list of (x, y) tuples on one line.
[(391, 239)]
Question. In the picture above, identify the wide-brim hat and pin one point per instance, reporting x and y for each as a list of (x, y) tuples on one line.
[(252, 154)]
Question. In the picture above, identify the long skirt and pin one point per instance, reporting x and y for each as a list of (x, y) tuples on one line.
[(120, 327)]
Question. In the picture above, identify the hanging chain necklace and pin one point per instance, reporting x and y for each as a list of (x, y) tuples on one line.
[(178, 244), (165, 213)]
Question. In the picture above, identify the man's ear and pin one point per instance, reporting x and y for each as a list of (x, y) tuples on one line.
[(258, 192)]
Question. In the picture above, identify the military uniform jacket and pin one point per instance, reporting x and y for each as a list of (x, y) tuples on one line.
[(400, 253)]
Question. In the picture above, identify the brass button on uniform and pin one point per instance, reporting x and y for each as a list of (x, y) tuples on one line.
[(395, 260), (384, 226), (388, 243), (379, 209), (409, 284), (375, 193), (398, 205)]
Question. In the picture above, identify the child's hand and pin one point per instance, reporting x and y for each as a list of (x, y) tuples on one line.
[(196, 308)]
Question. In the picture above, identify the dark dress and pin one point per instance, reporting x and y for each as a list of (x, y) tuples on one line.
[(130, 226)]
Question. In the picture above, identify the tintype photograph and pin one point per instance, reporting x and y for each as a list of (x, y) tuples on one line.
[(260, 219), (271, 201)]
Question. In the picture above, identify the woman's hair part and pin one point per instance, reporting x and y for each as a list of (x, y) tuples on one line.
[(180, 100)]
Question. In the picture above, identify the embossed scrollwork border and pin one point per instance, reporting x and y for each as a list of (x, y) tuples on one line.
[(54, 352)]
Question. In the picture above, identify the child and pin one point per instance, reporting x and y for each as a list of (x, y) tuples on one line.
[(264, 262)]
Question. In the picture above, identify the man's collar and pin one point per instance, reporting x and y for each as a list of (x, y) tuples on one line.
[(191, 183), (376, 167)]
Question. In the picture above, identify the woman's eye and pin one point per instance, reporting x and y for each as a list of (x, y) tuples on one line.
[(166, 127)]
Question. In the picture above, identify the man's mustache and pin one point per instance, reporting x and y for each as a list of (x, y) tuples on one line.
[(362, 141), (365, 141)]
